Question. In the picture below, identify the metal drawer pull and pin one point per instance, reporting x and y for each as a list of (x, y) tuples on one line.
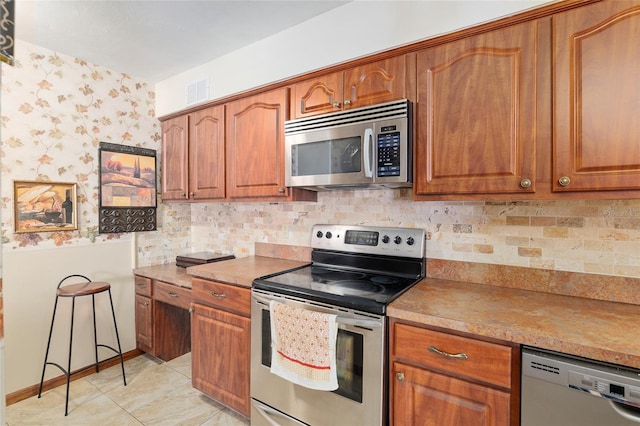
[(173, 295), (435, 350), (218, 295)]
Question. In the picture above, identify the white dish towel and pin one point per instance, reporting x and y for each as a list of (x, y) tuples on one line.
[(303, 346)]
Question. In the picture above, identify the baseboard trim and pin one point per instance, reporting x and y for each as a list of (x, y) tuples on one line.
[(30, 391)]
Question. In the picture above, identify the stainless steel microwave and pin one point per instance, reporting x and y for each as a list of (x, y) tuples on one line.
[(368, 147)]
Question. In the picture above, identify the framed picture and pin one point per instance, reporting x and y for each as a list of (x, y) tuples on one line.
[(128, 190), (44, 206)]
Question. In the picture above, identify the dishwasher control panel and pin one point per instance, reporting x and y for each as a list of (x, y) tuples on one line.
[(606, 380)]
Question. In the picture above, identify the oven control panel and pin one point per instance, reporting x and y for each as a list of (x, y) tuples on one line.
[(402, 242)]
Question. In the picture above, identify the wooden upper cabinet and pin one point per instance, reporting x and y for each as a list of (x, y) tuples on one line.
[(597, 97), (207, 154), (193, 157), (369, 84), (175, 151), (476, 114), (255, 145)]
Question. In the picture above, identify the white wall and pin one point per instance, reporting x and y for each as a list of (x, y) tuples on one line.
[(354, 30), (30, 280)]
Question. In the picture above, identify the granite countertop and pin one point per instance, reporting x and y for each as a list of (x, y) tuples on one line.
[(596, 329), (243, 271), (169, 273)]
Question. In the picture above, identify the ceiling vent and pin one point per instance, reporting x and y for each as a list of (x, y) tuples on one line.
[(198, 91)]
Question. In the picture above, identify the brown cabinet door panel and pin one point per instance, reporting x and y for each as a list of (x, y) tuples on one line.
[(476, 114), (424, 398), (375, 83), (175, 154), (206, 152), (318, 95), (220, 356), (597, 97), (255, 145), (144, 323)]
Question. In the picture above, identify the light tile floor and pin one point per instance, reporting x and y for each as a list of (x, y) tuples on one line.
[(157, 393)]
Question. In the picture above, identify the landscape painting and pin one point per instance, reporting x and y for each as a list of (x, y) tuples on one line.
[(127, 179), (128, 194)]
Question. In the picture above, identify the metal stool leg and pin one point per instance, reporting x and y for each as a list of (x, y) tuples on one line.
[(115, 326), (95, 332), (46, 355), (68, 372)]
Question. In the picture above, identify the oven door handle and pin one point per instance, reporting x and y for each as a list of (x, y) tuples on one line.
[(340, 320), (267, 412)]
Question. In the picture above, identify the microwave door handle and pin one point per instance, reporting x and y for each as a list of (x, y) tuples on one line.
[(368, 149)]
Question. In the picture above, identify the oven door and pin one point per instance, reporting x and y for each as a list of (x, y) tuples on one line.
[(359, 399)]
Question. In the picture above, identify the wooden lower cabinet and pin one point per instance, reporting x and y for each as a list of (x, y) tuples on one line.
[(221, 343), (441, 379), (422, 397), (144, 323)]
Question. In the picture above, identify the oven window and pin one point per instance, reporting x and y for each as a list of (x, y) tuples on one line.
[(349, 358), (327, 157)]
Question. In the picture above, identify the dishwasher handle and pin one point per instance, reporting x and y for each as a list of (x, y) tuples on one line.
[(627, 411)]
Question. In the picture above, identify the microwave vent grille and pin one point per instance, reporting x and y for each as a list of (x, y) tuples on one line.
[(389, 110)]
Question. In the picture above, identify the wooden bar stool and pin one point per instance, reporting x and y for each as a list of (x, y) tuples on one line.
[(87, 288)]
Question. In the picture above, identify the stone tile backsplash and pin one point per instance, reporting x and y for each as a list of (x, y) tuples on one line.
[(590, 236)]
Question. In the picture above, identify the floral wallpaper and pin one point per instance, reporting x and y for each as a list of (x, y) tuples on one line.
[(55, 110)]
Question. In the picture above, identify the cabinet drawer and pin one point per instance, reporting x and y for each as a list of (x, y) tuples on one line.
[(143, 285), (172, 294), (223, 296), (486, 362)]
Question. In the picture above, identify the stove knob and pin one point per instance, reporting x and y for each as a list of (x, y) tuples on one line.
[(385, 239), (410, 241), (397, 239), (319, 234), (328, 234)]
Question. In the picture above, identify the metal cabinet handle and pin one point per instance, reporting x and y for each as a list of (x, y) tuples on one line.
[(218, 295), (400, 377), (173, 295), (525, 183), (281, 190), (347, 101), (191, 194), (435, 350), (145, 304), (564, 181)]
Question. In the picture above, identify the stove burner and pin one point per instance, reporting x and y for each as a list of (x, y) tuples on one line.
[(332, 275), (353, 288), (383, 279)]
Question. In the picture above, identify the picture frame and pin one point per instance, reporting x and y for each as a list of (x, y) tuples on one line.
[(128, 189), (44, 206)]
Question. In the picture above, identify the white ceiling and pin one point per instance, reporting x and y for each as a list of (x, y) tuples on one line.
[(156, 39)]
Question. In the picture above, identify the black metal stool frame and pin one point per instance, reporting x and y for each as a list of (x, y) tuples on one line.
[(67, 371)]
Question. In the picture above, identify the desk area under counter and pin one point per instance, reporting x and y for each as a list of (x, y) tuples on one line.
[(214, 325)]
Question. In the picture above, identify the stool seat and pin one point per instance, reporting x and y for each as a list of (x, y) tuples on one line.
[(83, 289)]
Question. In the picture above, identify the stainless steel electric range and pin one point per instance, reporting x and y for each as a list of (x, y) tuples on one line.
[(356, 271)]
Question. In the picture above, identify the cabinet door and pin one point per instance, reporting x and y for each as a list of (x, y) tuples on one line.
[(220, 356), (375, 83), (175, 134), (255, 145), (144, 323), (318, 95), (597, 97), (424, 398), (206, 154), (476, 114)]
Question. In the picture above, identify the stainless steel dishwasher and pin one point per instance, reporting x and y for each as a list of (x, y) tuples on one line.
[(562, 390)]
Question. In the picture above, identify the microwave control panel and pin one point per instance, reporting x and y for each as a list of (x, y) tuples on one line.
[(388, 153)]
